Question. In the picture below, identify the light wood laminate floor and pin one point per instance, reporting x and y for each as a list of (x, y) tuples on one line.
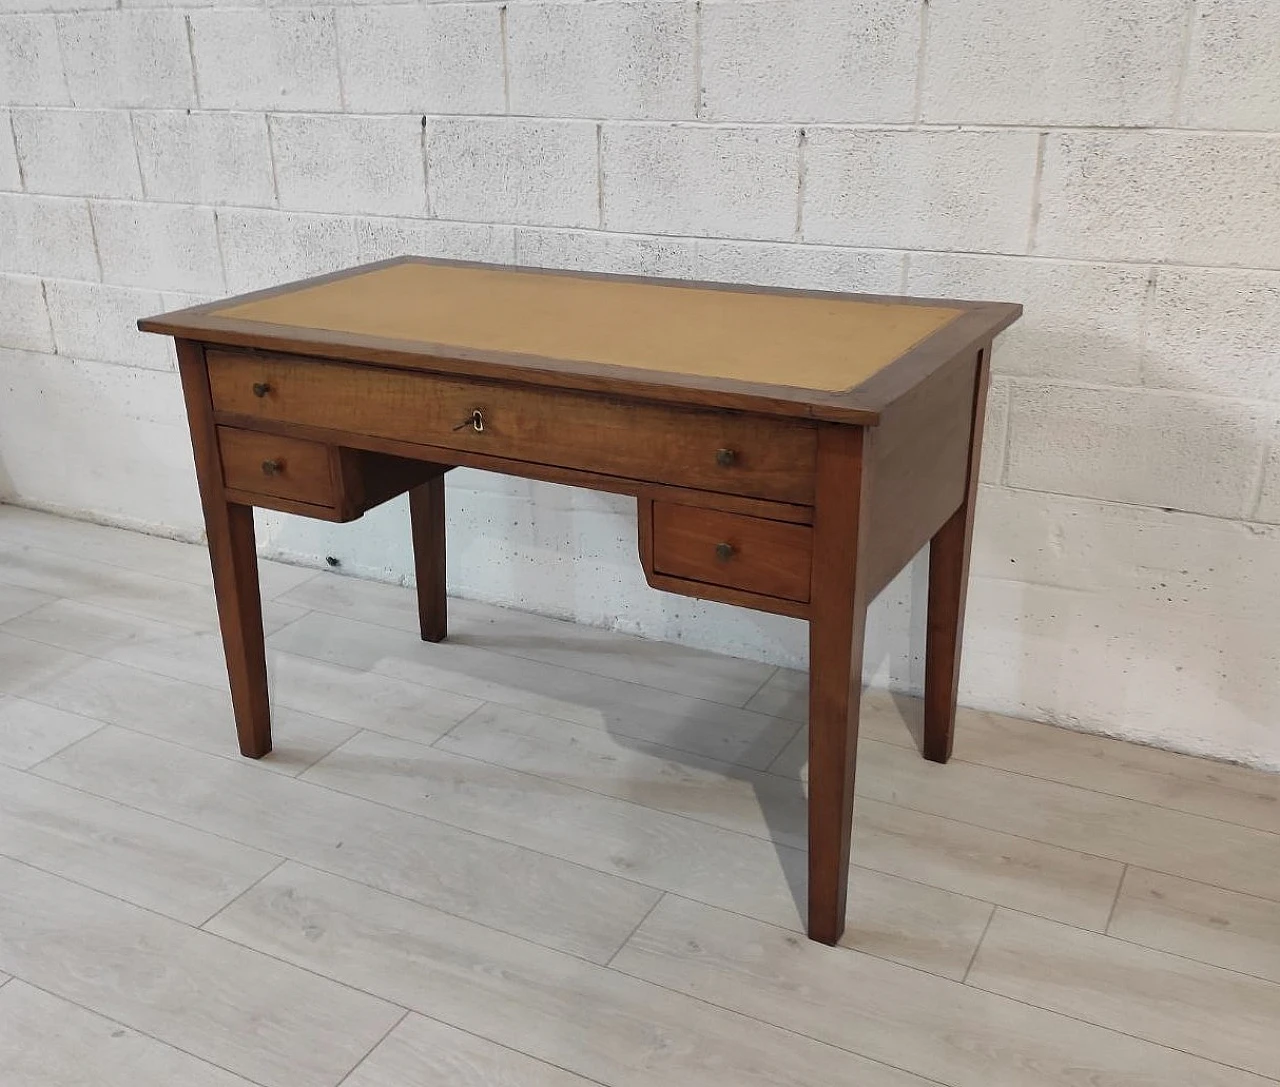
[(540, 855)]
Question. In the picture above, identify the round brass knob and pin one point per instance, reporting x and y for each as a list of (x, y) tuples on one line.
[(725, 551), (261, 388), (272, 467), (726, 457)]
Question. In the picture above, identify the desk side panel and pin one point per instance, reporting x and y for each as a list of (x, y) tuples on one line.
[(919, 463)]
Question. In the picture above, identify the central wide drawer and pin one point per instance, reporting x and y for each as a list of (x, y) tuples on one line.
[(721, 451)]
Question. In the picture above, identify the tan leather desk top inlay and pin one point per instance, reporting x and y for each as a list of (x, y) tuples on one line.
[(803, 341)]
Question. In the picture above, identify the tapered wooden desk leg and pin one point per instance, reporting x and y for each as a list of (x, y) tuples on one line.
[(426, 514), (235, 582), (948, 588), (836, 625), (235, 564)]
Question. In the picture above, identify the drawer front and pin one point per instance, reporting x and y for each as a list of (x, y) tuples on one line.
[(748, 553), (271, 465), (707, 450)]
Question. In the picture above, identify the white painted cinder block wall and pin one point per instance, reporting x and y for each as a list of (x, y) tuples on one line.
[(1113, 164)]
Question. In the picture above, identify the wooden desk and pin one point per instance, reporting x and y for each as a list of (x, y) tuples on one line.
[(790, 451)]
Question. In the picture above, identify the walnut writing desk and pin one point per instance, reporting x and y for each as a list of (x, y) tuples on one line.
[(790, 451)]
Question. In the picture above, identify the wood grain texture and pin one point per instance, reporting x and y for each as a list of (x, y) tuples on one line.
[(924, 926), (234, 559), (836, 624), (591, 1021), (46, 1041), (173, 870), (770, 458), (1216, 1014), (626, 708), (860, 404), (275, 1024), (919, 467), (949, 586), (1209, 924), (529, 469), (927, 1025), (423, 1051), (583, 913), (988, 865), (426, 518), (767, 557)]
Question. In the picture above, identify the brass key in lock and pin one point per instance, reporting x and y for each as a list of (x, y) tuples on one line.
[(476, 422)]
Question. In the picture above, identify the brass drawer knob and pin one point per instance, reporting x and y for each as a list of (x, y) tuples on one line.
[(272, 467), (725, 551), (261, 388), (726, 457)]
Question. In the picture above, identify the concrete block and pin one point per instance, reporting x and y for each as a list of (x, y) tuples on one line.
[(1082, 322), (692, 179), (46, 235), (1141, 556), (205, 158), (97, 322), (1191, 198), (381, 239), (265, 248), (10, 176), (630, 60), (809, 60), (433, 59), (1233, 68), (995, 432), (919, 190), (21, 6), (1096, 663), (163, 246), (31, 62), (278, 60), (594, 251), (24, 321), (1215, 330), (1268, 509), (1141, 446), (349, 164), (77, 152), (513, 171), (807, 267), (123, 450), (1088, 62), (128, 58)]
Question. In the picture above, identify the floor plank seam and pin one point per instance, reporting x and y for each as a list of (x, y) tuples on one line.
[(458, 723), (75, 557), (347, 618), (777, 1026), (138, 1030), (1117, 795), (66, 747), (638, 925), (1115, 901), (1128, 1034), (978, 946), (764, 683), (240, 894), (370, 1051), (235, 758)]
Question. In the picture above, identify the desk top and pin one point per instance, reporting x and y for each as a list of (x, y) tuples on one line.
[(789, 352)]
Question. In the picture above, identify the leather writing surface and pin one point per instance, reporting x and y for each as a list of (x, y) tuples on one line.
[(827, 344)]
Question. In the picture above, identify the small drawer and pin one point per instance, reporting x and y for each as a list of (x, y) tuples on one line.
[(772, 558), (282, 467)]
